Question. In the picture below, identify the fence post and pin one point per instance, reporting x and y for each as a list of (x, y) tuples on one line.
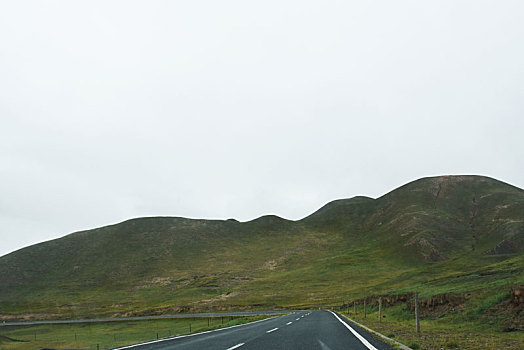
[(364, 308), (416, 312), (380, 309)]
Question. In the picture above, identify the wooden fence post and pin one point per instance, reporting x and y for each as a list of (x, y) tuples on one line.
[(416, 312), (380, 309)]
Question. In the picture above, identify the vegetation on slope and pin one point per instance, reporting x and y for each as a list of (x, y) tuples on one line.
[(462, 234)]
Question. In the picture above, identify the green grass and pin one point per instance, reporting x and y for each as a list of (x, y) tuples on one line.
[(108, 335), (456, 234), (466, 327)]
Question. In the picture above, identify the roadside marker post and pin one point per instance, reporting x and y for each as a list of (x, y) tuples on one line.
[(364, 308)]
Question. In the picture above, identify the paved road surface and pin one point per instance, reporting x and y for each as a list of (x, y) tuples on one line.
[(322, 330)]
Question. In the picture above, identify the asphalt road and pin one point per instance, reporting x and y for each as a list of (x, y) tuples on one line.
[(321, 330)]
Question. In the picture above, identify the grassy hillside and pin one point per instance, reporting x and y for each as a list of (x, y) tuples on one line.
[(462, 234)]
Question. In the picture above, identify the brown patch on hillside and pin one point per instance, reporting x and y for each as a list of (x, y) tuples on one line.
[(440, 304), (434, 306), (218, 298), (426, 248), (511, 310), (157, 282), (29, 317), (506, 246), (270, 265), (171, 310)]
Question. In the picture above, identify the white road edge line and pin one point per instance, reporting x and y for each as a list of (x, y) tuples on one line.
[(271, 330), (400, 345), (191, 335), (236, 346), (287, 324), (297, 319), (359, 337)]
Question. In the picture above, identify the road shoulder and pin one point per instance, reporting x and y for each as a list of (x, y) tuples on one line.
[(389, 340)]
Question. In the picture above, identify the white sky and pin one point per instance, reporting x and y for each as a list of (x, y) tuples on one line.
[(215, 109)]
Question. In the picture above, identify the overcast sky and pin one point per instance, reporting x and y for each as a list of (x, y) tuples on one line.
[(216, 109)]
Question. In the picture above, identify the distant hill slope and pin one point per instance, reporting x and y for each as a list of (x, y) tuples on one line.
[(436, 234)]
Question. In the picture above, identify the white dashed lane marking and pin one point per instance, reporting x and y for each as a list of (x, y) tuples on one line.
[(272, 330)]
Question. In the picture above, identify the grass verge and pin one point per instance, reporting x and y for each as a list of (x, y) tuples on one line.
[(109, 335), (445, 333)]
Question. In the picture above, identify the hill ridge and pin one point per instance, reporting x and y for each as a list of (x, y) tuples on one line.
[(415, 235)]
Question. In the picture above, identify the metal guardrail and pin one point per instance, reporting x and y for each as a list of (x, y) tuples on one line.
[(143, 318)]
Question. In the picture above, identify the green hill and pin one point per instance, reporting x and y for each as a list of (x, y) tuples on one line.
[(435, 235)]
